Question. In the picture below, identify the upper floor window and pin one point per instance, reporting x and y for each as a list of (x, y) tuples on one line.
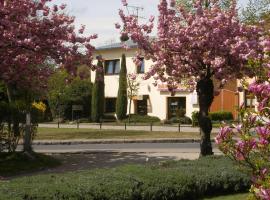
[(141, 68), (112, 67)]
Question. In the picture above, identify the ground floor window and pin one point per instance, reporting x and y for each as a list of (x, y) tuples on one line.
[(110, 105), (176, 106)]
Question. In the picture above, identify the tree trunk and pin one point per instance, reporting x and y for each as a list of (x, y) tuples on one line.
[(205, 90), (27, 147), (129, 110), (14, 115)]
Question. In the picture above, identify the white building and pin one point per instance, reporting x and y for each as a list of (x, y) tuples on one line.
[(151, 100)]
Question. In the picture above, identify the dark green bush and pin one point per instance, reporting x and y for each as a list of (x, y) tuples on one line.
[(142, 119), (172, 180), (181, 120), (195, 118), (221, 116), (215, 116)]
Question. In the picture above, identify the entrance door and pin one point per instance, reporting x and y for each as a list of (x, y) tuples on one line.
[(174, 105), (142, 107)]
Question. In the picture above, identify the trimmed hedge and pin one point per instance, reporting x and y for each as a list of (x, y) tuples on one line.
[(142, 119), (220, 116), (181, 120), (215, 116), (173, 180)]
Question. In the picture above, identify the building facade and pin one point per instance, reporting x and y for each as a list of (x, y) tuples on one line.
[(155, 100)]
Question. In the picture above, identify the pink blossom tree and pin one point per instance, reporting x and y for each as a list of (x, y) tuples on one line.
[(33, 37), (248, 143), (195, 46)]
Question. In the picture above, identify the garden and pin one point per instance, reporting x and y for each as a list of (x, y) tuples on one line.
[(45, 74)]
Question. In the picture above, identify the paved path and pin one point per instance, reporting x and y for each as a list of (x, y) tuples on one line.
[(91, 156), (171, 128)]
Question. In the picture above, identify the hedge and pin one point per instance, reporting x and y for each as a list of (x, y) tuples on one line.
[(215, 116), (134, 118), (169, 180)]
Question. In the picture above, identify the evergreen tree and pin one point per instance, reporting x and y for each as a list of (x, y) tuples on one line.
[(98, 95), (121, 103)]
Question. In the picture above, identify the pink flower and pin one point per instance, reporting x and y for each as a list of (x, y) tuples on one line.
[(124, 2)]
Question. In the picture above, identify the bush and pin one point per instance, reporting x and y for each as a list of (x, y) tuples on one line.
[(215, 116), (221, 116), (195, 118), (142, 119), (181, 120), (172, 180)]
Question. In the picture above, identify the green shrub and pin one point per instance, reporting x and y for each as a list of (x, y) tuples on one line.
[(172, 180), (215, 116), (142, 119), (195, 118), (221, 116), (181, 120)]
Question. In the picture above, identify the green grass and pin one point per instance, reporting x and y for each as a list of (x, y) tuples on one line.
[(172, 180), (230, 197), (68, 134), (17, 163)]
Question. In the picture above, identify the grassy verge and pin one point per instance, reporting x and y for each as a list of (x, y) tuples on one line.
[(68, 133), (17, 163), (169, 180)]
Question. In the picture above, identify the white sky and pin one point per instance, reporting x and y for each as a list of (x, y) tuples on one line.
[(99, 16)]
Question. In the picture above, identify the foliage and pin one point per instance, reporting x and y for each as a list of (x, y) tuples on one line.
[(193, 46), (134, 118), (181, 120), (248, 143), (122, 99), (221, 116), (184, 179), (195, 117), (214, 116), (64, 92), (255, 11), (34, 35), (10, 134), (98, 94)]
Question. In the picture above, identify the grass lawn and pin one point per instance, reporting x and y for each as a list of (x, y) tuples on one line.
[(17, 163), (230, 197), (68, 134)]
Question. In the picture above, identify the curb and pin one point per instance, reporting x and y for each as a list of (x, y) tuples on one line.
[(78, 142)]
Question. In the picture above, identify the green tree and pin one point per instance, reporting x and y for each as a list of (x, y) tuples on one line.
[(62, 94), (121, 103), (98, 94), (255, 11)]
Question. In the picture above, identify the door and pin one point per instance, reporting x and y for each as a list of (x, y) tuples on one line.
[(174, 105)]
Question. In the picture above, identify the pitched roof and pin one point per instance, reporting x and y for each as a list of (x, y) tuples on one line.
[(118, 45)]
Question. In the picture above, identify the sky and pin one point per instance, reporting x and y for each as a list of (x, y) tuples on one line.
[(99, 16)]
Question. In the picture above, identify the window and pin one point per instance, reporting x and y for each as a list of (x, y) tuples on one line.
[(112, 67), (110, 105), (141, 68), (249, 100)]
